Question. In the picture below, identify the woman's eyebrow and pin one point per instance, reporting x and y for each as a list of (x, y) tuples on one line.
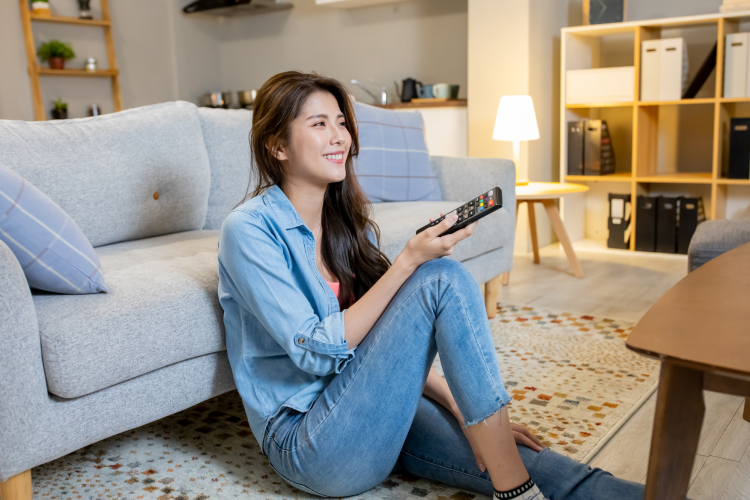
[(341, 115)]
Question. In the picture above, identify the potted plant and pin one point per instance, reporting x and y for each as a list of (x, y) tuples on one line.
[(41, 8), (56, 52), (60, 111)]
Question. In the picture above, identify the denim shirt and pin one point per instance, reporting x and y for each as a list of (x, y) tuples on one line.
[(284, 328)]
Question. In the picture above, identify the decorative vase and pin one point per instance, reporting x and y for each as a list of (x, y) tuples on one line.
[(60, 114), (56, 63), (41, 9), (90, 64)]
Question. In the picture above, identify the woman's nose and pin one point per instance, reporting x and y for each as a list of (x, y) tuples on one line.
[(338, 136)]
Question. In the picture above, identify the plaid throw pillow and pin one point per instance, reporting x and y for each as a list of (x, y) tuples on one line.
[(393, 162), (54, 253)]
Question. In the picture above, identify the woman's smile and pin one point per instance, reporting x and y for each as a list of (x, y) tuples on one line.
[(335, 157)]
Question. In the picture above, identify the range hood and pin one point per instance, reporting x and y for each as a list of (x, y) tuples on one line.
[(231, 8)]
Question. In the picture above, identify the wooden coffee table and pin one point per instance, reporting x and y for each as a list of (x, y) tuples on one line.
[(700, 331)]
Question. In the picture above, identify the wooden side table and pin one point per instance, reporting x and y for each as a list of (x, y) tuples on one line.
[(546, 193), (699, 331)]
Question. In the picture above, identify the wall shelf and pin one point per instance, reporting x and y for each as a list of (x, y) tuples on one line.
[(100, 73), (70, 20), (648, 134)]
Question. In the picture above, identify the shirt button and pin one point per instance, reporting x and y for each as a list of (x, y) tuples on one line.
[(301, 341)]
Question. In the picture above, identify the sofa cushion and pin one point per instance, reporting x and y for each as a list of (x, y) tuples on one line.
[(52, 250), (104, 171), (226, 133), (393, 162), (162, 308), (399, 221)]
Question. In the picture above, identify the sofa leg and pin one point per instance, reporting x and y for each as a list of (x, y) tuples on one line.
[(490, 296), (746, 411), (17, 487)]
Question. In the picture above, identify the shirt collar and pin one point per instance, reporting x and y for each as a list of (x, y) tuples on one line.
[(275, 198)]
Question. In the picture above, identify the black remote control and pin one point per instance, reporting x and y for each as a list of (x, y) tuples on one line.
[(473, 210)]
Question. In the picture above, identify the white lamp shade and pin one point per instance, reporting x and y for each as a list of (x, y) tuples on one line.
[(516, 120)]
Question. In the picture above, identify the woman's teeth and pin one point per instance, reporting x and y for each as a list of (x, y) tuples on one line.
[(334, 157)]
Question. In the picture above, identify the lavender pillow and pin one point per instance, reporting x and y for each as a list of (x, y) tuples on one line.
[(52, 250)]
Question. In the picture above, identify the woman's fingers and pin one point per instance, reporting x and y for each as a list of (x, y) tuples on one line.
[(527, 432), (526, 441), (441, 214)]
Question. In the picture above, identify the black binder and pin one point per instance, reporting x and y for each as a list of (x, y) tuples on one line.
[(690, 213), (598, 155), (666, 224), (575, 147), (645, 228), (739, 148), (619, 221)]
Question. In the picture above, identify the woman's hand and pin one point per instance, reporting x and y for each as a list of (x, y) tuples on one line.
[(521, 435), (428, 245)]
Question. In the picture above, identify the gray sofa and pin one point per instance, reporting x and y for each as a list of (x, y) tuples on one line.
[(76, 369), (715, 237)]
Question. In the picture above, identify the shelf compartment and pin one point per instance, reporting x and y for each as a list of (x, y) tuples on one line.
[(678, 178), (616, 177), (70, 20), (101, 73)]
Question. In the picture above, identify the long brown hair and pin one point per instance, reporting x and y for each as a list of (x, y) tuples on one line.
[(346, 248)]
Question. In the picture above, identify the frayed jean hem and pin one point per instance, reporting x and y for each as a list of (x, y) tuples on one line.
[(479, 420)]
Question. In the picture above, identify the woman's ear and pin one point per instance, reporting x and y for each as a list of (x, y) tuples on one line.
[(278, 151)]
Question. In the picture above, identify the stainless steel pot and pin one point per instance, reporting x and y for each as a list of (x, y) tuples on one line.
[(246, 98), (216, 100)]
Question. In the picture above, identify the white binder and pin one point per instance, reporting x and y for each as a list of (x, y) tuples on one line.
[(735, 65), (673, 69), (650, 70)]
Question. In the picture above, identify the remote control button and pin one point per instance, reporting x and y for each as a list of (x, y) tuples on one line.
[(477, 200), (460, 218), (433, 223), (481, 209), (489, 193), (471, 203), (471, 213), (481, 196), (491, 203)]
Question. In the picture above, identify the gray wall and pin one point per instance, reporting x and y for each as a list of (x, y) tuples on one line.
[(426, 40)]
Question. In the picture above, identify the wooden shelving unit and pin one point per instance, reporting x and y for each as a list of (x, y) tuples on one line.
[(35, 71), (581, 50)]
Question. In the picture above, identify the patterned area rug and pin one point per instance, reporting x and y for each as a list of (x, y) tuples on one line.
[(572, 380)]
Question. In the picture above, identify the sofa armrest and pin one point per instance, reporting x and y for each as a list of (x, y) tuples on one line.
[(715, 237), (23, 390), (463, 178)]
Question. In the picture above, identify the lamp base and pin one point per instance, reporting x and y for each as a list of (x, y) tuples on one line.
[(522, 182)]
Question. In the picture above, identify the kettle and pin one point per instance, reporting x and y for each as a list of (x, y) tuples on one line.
[(409, 89)]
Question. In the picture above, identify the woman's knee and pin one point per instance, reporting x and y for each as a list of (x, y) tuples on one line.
[(450, 269)]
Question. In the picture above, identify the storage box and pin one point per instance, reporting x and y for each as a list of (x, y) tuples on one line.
[(600, 85)]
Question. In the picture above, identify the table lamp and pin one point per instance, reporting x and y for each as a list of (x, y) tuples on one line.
[(516, 122)]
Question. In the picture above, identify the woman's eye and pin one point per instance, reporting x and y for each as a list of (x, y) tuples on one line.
[(343, 124), (319, 123)]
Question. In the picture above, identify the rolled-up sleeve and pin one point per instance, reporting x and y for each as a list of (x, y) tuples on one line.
[(255, 265)]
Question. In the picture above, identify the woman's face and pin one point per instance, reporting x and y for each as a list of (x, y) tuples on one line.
[(318, 143)]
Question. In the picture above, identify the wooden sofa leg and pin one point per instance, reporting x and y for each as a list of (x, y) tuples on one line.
[(746, 411), (490, 296), (17, 487)]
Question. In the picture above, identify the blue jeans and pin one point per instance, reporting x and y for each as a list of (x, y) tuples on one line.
[(373, 420)]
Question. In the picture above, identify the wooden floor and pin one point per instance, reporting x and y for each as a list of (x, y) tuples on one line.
[(623, 285)]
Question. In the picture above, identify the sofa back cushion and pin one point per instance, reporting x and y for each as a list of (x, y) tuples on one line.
[(393, 162), (124, 176), (226, 133)]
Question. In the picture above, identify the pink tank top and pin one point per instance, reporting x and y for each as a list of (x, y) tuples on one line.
[(334, 287)]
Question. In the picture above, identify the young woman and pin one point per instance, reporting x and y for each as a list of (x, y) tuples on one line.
[(331, 345)]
